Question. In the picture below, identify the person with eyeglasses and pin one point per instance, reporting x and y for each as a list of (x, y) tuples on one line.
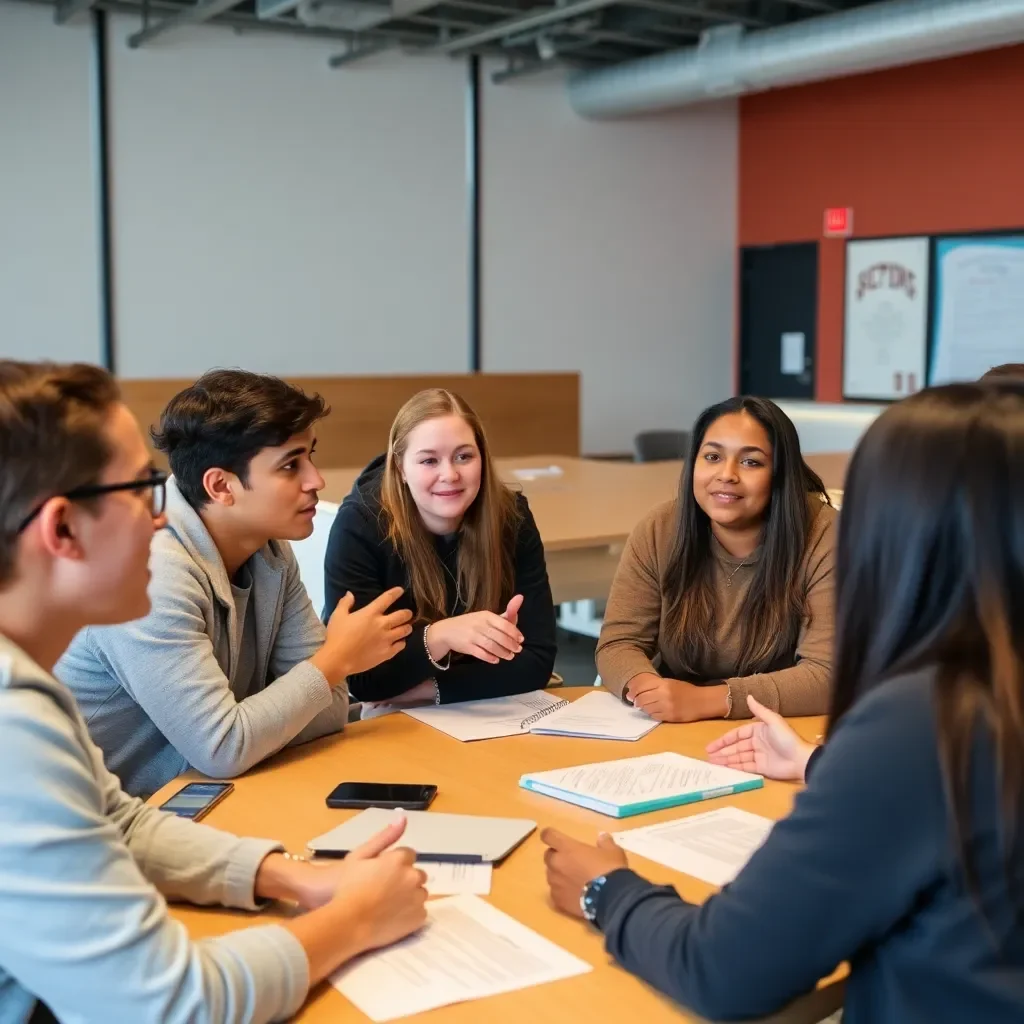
[(85, 869), (232, 663)]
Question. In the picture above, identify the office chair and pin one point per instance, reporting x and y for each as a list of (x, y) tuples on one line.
[(661, 445)]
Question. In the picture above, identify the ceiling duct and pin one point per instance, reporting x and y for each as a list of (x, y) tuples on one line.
[(345, 15), (730, 62)]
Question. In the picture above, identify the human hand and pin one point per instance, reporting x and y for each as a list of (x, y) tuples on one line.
[(572, 864), (316, 883), (511, 613), (484, 635), (768, 746), (670, 700), (359, 641)]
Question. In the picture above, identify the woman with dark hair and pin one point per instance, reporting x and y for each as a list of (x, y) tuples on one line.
[(904, 855), (728, 586)]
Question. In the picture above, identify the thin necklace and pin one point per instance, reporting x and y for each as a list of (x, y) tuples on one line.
[(728, 582), (458, 587)]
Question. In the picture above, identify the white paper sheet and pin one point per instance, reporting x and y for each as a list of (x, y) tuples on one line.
[(597, 715), (487, 719), (467, 950), (713, 846), (452, 879), (793, 347), (537, 472)]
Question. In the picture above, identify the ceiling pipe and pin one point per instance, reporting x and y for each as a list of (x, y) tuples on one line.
[(731, 62)]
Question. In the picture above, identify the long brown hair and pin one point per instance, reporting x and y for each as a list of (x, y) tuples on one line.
[(773, 609), (930, 574), (486, 565)]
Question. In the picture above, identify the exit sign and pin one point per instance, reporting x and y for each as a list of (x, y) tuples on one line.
[(839, 222)]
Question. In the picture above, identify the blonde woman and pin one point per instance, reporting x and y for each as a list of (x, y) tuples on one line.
[(432, 516)]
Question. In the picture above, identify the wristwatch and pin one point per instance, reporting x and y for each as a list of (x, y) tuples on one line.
[(590, 895)]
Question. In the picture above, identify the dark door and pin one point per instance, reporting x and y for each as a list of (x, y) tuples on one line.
[(778, 320)]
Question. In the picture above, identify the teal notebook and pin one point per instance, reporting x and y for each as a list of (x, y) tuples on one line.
[(635, 785)]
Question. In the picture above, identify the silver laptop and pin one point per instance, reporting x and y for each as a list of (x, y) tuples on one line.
[(465, 838)]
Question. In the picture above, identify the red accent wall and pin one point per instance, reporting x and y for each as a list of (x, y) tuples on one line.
[(923, 149)]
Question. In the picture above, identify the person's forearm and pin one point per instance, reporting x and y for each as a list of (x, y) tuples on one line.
[(438, 644), (618, 663), (714, 701), (793, 692), (333, 662), (279, 878), (331, 936)]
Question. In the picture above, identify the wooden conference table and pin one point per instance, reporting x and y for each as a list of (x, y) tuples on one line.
[(586, 510), (284, 799)]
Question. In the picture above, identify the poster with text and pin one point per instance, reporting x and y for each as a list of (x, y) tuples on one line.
[(885, 341), (979, 306)]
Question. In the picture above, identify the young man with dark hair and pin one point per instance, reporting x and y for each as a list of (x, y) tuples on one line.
[(232, 663), (85, 869)]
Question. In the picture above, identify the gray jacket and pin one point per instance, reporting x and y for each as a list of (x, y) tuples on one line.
[(84, 872), (161, 694)]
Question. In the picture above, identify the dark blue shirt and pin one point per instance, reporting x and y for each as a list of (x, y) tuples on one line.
[(866, 869)]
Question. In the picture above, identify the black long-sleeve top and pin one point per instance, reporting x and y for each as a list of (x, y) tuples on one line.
[(362, 560), (864, 870)]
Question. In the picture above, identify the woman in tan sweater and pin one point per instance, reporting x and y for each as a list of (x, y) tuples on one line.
[(728, 586)]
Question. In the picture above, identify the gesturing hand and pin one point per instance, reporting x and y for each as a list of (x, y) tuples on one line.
[(359, 641), (484, 635), (768, 746)]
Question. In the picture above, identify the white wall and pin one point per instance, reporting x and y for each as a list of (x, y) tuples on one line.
[(49, 253), (610, 248), (272, 213)]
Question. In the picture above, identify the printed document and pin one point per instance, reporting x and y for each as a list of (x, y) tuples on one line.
[(713, 846), (467, 950)]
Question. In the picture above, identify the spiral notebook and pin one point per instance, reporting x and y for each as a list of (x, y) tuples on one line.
[(597, 715), (635, 785), (489, 719)]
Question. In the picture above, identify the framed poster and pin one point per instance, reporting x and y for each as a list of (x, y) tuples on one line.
[(978, 309), (885, 343)]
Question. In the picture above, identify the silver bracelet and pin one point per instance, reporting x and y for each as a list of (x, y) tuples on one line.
[(294, 856), (426, 647), (728, 701)]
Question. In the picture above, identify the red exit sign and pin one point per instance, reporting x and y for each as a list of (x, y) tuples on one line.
[(839, 222)]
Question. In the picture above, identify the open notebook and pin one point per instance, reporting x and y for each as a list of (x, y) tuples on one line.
[(635, 785), (597, 715)]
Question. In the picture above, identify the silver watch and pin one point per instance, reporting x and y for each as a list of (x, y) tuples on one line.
[(590, 895)]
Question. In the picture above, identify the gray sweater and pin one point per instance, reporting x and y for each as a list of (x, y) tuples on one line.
[(84, 872), (181, 687)]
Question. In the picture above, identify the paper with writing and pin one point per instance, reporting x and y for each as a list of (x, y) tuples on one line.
[(713, 846), (487, 719), (597, 715), (467, 950), (446, 878)]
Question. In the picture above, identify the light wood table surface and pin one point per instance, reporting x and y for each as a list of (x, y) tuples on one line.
[(586, 514), (284, 799)]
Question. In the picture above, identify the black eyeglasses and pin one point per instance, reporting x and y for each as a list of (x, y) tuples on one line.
[(156, 483)]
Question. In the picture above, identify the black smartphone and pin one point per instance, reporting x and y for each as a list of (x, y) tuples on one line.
[(410, 797), (195, 800)]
